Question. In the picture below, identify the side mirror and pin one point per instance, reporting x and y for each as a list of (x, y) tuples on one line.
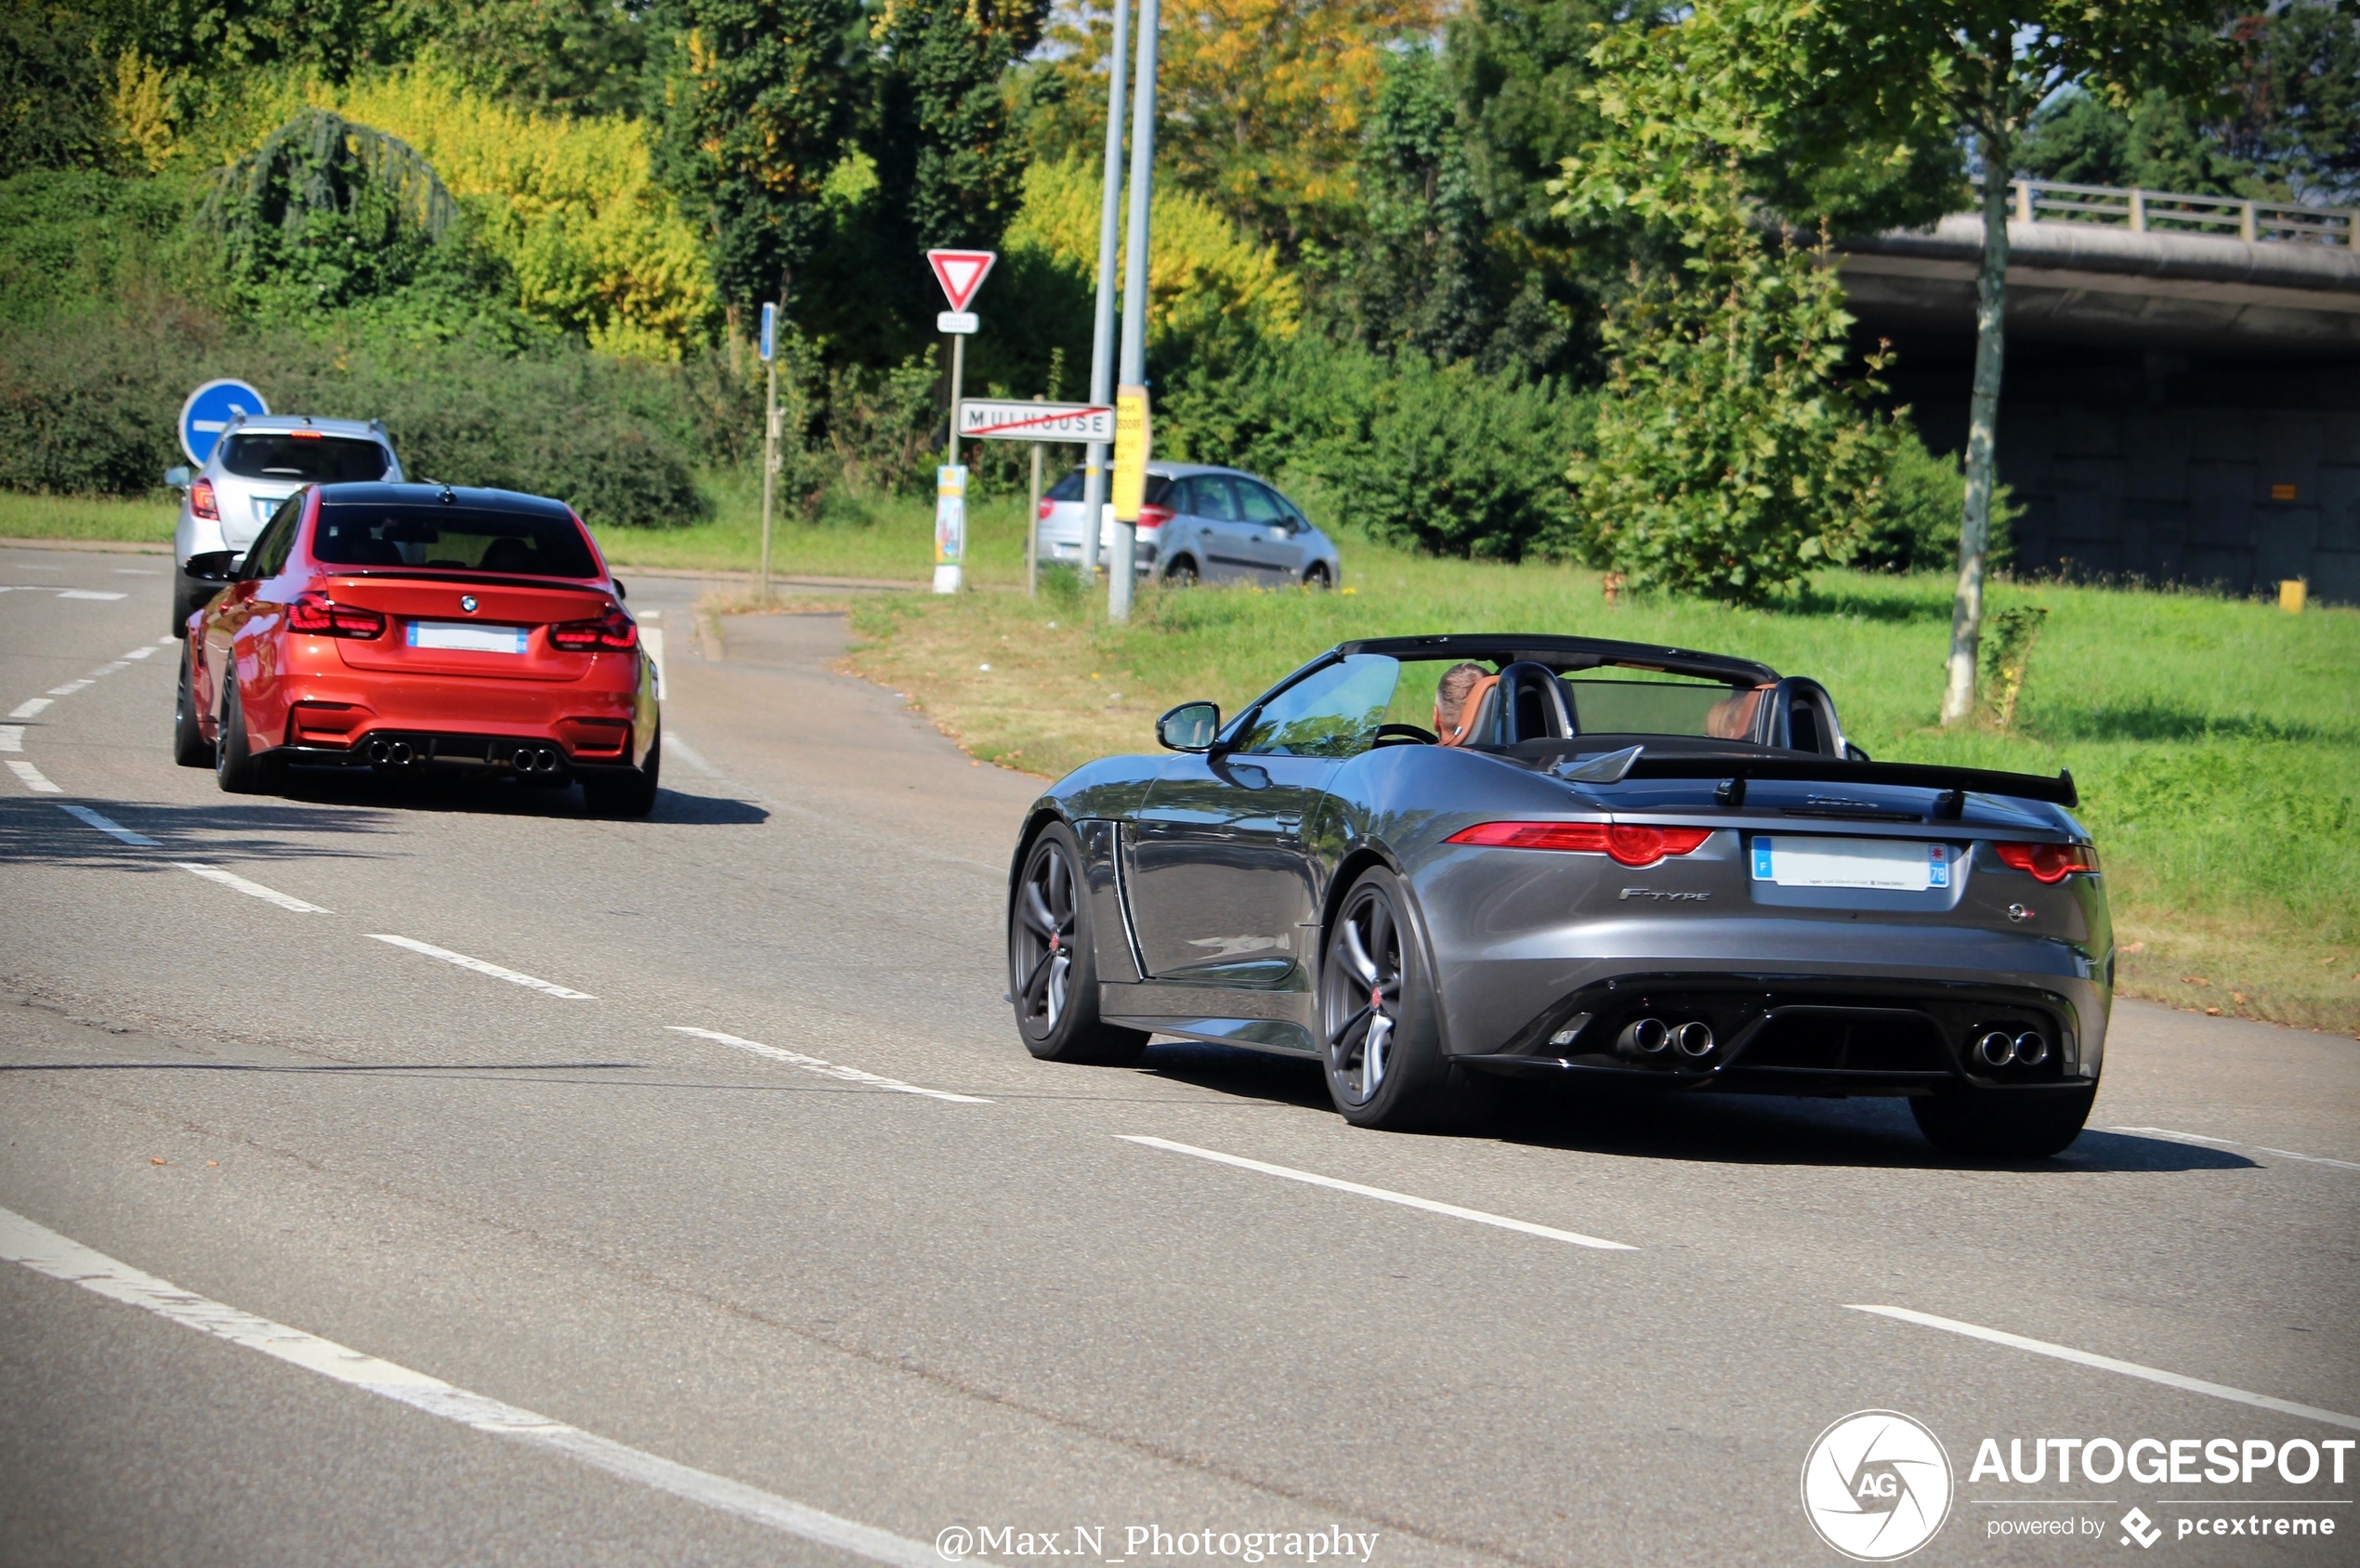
[(1190, 727), (1854, 755), (176, 476)]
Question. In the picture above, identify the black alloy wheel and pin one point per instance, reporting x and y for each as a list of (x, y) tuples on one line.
[(1052, 977), (626, 794), (189, 748), (1182, 572), (1977, 1126), (235, 767), (1378, 1023), (1317, 579)]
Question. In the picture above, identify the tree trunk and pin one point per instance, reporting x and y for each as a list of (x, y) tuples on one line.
[(1982, 430)]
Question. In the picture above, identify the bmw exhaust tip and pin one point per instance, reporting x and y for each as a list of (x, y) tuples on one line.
[(401, 753), (1693, 1041), (1647, 1036), (381, 752), (1998, 1049), (2031, 1049)]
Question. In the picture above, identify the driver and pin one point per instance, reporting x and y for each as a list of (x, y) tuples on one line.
[(1458, 701)]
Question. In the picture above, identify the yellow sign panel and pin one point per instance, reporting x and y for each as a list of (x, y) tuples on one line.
[(950, 515), (1130, 452)]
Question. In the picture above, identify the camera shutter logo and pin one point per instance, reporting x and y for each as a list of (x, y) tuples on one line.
[(1877, 1485)]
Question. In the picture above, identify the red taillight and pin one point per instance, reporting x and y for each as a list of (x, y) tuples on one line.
[(1631, 843), (322, 617), (2048, 862), (1047, 506), (1154, 517), (612, 631), (201, 501)]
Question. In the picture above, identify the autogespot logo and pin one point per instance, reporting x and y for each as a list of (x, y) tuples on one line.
[(1876, 1486)]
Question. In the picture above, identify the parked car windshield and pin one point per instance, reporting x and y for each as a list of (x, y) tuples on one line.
[(307, 459), (451, 539)]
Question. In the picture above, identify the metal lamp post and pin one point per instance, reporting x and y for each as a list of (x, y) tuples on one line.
[(1093, 473), (1133, 364)]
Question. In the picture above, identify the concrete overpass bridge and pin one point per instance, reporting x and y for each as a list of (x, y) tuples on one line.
[(2182, 392)]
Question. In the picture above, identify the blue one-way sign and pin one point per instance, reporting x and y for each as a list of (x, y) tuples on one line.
[(209, 411)]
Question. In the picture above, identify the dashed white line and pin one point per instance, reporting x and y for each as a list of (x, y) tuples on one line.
[(45, 1252), (826, 1069), (105, 670), (495, 971), (136, 571), (11, 737), (2108, 1364), (141, 652), (1381, 1193), (33, 779), (69, 689), (2233, 1143), (30, 708), (252, 889), (112, 829), (89, 593), (679, 747)]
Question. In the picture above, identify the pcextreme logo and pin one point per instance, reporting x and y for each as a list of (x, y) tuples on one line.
[(1876, 1486)]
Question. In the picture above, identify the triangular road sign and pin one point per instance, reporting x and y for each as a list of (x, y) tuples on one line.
[(961, 273)]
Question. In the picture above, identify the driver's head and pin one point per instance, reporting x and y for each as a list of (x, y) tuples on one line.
[(1450, 696)]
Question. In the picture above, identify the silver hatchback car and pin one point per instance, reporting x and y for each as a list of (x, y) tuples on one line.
[(1202, 523), (258, 463)]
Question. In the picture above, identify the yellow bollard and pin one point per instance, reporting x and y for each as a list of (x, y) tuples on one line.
[(2291, 593)]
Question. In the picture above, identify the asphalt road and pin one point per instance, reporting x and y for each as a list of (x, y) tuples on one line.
[(859, 1271)]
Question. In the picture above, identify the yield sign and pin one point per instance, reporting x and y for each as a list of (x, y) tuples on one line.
[(961, 273)]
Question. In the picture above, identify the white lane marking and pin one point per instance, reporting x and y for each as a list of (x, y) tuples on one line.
[(2233, 1143), (252, 889), (11, 737), (141, 652), (2108, 1364), (447, 956), (106, 669), (67, 689), (112, 829), (687, 753), (136, 571), (653, 637), (30, 707), (34, 780), (826, 1069), (88, 594), (45, 1252), (1429, 1205), (166, 642)]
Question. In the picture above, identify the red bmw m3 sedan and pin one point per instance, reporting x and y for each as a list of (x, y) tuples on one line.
[(409, 627)]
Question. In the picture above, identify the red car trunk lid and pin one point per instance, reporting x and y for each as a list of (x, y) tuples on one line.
[(406, 601)]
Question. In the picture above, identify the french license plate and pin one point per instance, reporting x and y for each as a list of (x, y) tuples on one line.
[(466, 638), (1894, 865)]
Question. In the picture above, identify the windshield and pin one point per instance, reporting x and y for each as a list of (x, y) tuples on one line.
[(304, 459), (451, 539), (1436, 695)]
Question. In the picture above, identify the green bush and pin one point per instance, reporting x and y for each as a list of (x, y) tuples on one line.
[(1916, 526)]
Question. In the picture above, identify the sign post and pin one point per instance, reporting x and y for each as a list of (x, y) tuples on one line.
[(1032, 527), (961, 273), (1131, 368), (769, 436), (1130, 460), (208, 413)]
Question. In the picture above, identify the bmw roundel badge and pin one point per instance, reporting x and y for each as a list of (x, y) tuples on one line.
[(467, 603)]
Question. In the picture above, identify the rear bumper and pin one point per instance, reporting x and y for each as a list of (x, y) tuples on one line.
[(1806, 1034), (339, 717)]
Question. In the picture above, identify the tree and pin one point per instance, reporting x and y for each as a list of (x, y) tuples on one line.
[(1982, 67), (751, 116), (52, 96), (938, 128)]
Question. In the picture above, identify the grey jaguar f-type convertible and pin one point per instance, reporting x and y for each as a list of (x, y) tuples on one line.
[(1440, 864)]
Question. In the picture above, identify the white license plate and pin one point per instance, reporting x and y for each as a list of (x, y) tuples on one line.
[(459, 634), (1895, 865)]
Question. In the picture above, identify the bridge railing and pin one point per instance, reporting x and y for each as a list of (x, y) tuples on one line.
[(2144, 212)]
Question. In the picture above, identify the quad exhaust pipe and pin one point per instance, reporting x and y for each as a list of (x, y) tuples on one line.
[(538, 759), (1652, 1037), (392, 754), (1998, 1048)]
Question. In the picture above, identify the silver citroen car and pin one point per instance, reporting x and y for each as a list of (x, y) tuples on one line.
[(1202, 523)]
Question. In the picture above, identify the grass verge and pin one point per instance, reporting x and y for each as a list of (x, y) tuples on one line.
[(2215, 742)]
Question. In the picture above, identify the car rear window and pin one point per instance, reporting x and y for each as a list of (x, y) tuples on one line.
[(1068, 488), (318, 460), (451, 539)]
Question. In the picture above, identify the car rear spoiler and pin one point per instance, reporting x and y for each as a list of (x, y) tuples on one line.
[(1955, 783)]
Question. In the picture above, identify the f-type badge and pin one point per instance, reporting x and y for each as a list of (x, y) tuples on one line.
[(1651, 892)]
